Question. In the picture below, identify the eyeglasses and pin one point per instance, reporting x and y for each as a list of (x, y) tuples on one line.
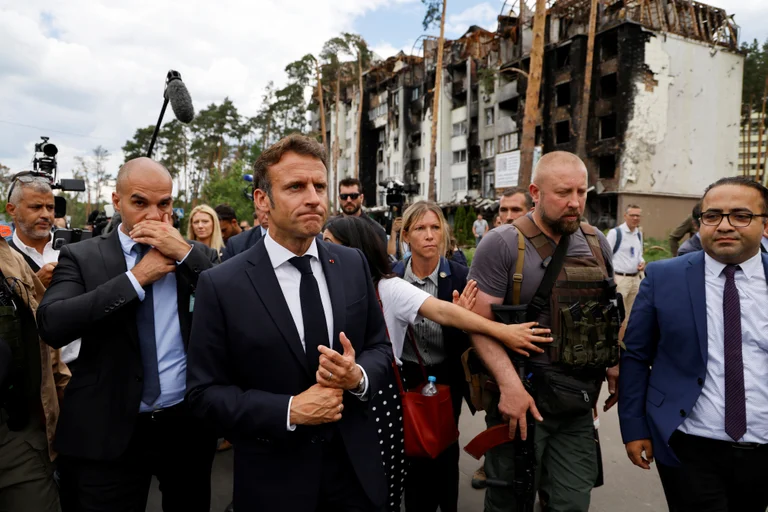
[(28, 177), (352, 196), (735, 219)]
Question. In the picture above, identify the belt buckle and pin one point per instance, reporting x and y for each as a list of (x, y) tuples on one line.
[(155, 414), (746, 446)]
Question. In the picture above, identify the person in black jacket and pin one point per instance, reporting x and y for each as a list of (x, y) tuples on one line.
[(247, 239), (130, 295), (433, 482), (288, 348)]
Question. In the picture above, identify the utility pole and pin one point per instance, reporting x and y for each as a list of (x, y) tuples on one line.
[(761, 129), (532, 95), (581, 149), (435, 106), (749, 137), (320, 100)]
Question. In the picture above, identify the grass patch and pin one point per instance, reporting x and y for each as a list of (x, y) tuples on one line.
[(655, 249)]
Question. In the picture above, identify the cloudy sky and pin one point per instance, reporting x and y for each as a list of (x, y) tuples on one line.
[(89, 72)]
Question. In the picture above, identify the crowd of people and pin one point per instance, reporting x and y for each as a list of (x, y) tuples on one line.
[(135, 353)]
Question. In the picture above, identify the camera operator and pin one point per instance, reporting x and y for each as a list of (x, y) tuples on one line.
[(29, 396), (31, 206)]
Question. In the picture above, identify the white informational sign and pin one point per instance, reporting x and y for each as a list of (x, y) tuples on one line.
[(508, 167)]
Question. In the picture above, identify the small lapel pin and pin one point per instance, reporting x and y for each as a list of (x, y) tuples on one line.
[(331, 261), (443, 275)]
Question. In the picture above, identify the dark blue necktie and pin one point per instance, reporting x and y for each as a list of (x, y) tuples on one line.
[(145, 321), (735, 399), (312, 312)]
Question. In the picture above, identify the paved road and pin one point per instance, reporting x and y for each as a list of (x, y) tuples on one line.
[(626, 489)]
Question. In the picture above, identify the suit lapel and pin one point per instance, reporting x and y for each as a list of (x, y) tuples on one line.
[(444, 281), (263, 278), (114, 264), (335, 279), (698, 294)]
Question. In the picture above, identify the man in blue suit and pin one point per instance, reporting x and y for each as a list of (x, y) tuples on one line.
[(692, 391)]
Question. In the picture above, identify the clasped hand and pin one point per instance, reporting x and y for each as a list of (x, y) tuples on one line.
[(323, 402)]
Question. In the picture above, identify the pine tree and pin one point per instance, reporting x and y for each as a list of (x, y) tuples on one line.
[(471, 218)]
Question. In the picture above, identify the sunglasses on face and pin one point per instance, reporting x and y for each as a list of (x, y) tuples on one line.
[(352, 196)]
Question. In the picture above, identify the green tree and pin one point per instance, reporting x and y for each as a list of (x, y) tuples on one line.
[(471, 218), (139, 144), (459, 224), (755, 72), (228, 188)]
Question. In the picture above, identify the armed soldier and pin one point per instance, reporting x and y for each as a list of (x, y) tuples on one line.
[(558, 273), (29, 404)]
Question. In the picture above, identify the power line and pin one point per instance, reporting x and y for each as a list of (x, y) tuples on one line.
[(51, 130)]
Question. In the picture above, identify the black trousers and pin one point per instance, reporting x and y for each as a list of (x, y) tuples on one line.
[(169, 444), (716, 476), (433, 482)]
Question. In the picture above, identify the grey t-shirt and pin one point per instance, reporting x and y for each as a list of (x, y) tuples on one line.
[(480, 227), (494, 264)]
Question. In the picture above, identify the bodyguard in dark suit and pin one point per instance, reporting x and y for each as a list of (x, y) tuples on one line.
[(129, 295), (246, 239), (288, 346), (692, 390)]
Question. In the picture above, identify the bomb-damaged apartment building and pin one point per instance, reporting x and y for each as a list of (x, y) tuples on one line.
[(663, 122)]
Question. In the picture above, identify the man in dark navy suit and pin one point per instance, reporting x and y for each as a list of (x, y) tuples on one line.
[(288, 346), (692, 391)]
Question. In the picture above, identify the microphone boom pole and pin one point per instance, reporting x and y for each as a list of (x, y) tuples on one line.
[(157, 128), (176, 93)]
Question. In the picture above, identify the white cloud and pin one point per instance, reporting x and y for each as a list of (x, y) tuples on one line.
[(483, 15), (386, 49), (96, 67)]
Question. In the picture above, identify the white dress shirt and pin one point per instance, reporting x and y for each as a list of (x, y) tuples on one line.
[(50, 255), (630, 253), (289, 279), (707, 418), (70, 351)]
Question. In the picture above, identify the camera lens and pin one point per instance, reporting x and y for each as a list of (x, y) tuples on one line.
[(49, 149)]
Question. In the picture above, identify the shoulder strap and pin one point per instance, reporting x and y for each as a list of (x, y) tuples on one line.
[(590, 233), (618, 239), (531, 231), (541, 298), (517, 277)]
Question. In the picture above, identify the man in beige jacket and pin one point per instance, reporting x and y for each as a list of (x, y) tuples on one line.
[(26, 456)]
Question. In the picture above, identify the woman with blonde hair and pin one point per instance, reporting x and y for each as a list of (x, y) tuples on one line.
[(204, 227)]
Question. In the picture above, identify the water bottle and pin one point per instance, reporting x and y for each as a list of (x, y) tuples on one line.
[(430, 389)]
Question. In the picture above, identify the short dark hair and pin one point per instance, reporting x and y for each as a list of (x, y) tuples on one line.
[(225, 212), (295, 142), (511, 191), (351, 182), (741, 181), (696, 214), (359, 234)]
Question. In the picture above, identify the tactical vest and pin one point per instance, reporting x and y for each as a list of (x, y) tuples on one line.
[(585, 315)]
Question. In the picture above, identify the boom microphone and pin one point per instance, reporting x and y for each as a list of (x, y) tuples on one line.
[(181, 103)]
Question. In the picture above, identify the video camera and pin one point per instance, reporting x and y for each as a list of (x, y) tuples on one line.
[(396, 195), (44, 166)]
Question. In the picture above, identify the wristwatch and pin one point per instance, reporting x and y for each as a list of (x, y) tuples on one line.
[(361, 386)]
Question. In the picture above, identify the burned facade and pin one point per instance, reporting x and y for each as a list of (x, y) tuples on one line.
[(663, 109)]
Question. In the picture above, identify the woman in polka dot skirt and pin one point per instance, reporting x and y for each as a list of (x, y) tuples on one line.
[(402, 305)]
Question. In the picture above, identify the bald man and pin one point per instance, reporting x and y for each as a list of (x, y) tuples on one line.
[(566, 378), (129, 295)]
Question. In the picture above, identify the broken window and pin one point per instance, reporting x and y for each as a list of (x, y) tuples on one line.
[(562, 132), (415, 94), (538, 136), (416, 139), (488, 149), (459, 129), (563, 95), (563, 57), (607, 127), (489, 116), (415, 165), (609, 85), (609, 46), (380, 156), (607, 164), (397, 144)]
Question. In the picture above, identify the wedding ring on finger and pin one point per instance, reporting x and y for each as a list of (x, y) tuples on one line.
[(330, 376), (341, 407)]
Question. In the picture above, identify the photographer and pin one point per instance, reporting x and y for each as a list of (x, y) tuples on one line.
[(29, 405), (31, 206)]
